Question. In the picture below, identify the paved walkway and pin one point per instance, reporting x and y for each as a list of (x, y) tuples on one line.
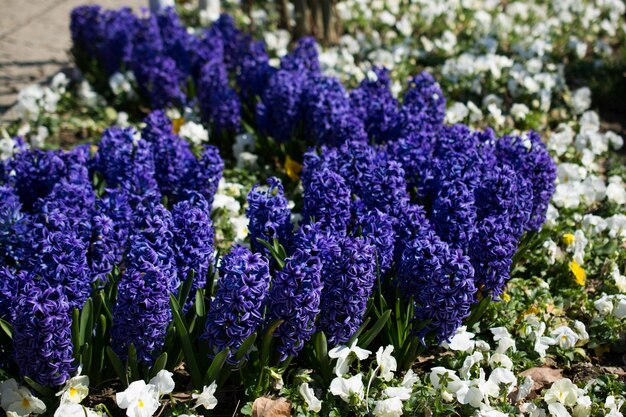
[(35, 40)]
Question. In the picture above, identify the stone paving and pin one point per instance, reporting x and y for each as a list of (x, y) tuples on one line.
[(35, 40)]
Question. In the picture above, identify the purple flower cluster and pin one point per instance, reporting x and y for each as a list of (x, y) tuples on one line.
[(445, 207), (142, 313), (238, 307), (99, 209), (269, 216), (347, 289), (193, 240), (42, 339), (295, 298)]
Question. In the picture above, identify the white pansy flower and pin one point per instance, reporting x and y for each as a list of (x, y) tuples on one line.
[(246, 160), (75, 390), (348, 388), (227, 202), (461, 341), (581, 330), (469, 362), (581, 100), (613, 406), (456, 113), (500, 359), (619, 311), (525, 388), (163, 382), (558, 410), (240, 226), (312, 402), (583, 406), (409, 379), (195, 132), (565, 337), (620, 280), (345, 355), (616, 190), (542, 343), (19, 400), (206, 398), (603, 305), (389, 407), (519, 111), (74, 410), (503, 376), (563, 391), (386, 362), (400, 392), (139, 399), (119, 84)]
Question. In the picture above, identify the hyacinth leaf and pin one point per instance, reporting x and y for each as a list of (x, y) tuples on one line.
[(320, 344), (133, 365), (6, 328), (39, 389), (185, 288), (276, 250), (98, 349), (159, 364), (86, 357), (370, 335), (86, 322), (118, 366), (76, 331), (478, 310), (188, 349), (245, 347), (216, 366), (200, 305), (266, 345), (358, 332)]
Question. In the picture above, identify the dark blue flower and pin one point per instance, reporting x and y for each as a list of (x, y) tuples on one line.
[(269, 216), (193, 239), (295, 298), (440, 281), (327, 200), (303, 58), (42, 337), (347, 288), (279, 112), (238, 308), (327, 114), (218, 101), (374, 104), (142, 313)]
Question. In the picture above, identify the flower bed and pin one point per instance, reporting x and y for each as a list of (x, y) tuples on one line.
[(266, 227)]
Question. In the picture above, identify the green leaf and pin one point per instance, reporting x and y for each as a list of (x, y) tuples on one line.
[(76, 331), (267, 342), (321, 355), (370, 335), (132, 363), (216, 366), (200, 306), (118, 366), (86, 322), (359, 331), (7, 328), (185, 289), (40, 389), (159, 364), (245, 347), (275, 251), (188, 349)]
